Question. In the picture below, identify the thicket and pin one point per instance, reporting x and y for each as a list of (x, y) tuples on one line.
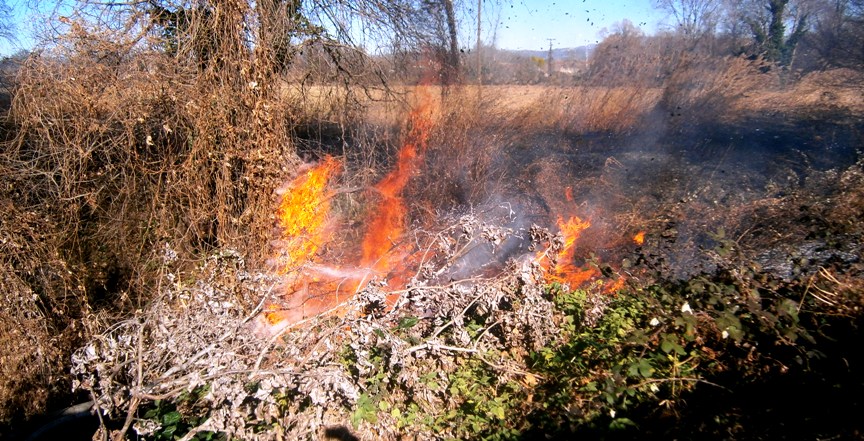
[(140, 159), (128, 134)]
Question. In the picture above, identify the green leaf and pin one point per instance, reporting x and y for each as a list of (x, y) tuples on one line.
[(168, 433), (171, 418), (645, 368), (366, 410), (497, 412), (666, 346), (407, 322), (621, 423)]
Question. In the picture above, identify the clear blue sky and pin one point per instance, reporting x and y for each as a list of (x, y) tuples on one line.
[(528, 24), (521, 24), (25, 18)]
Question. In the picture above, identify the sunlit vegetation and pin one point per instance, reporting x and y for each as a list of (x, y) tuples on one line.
[(233, 220)]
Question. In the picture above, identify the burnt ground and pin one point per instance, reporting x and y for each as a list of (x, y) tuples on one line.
[(773, 186), (783, 196), (779, 198)]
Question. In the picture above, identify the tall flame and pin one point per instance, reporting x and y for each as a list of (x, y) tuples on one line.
[(302, 214), (314, 287), (380, 245)]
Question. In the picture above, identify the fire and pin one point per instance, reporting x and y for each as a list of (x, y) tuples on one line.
[(388, 224), (571, 230), (314, 288), (614, 286), (639, 238), (565, 271), (303, 212), (303, 218), (380, 245)]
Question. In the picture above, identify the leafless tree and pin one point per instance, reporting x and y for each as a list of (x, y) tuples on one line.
[(838, 33), (621, 57), (452, 33), (776, 26), (7, 27), (693, 18)]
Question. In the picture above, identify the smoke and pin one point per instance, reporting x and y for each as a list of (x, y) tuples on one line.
[(499, 233), (466, 204)]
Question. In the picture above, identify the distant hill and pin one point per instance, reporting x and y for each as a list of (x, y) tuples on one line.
[(568, 53)]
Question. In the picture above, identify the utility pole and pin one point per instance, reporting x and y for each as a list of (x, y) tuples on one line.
[(479, 56), (549, 60)]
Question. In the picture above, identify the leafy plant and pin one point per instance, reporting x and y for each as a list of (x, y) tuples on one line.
[(175, 418)]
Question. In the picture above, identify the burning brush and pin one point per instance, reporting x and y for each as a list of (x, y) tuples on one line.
[(480, 243)]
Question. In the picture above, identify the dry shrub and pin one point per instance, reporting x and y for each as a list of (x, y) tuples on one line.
[(39, 295), (118, 151), (580, 109), (357, 122), (261, 382), (603, 109), (148, 148), (822, 93), (463, 164), (132, 133), (704, 88)]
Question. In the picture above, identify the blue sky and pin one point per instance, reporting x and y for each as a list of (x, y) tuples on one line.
[(24, 18), (521, 24), (528, 24)]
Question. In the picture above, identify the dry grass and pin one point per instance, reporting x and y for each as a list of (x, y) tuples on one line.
[(830, 92), (112, 158), (115, 158), (29, 272)]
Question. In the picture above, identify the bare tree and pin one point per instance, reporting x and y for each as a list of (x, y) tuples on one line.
[(621, 57), (776, 26), (7, 27), (452, 32), (838, 33), (693, 18)]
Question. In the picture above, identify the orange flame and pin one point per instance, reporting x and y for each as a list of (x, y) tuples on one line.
[(303, 218), (303, 212), (614, 286), (565, 271), (380, 245), (639, 238), (571, 230), (316, 288)]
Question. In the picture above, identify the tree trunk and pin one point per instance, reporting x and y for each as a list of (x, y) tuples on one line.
[(452, 70)]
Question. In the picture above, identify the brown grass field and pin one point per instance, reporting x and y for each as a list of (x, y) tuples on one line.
[(100, 181)]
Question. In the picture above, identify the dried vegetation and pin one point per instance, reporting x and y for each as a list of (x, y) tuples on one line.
[(137, 213)]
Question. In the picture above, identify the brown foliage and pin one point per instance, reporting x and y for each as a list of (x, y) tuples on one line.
[(121, 152), (114, 157)]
